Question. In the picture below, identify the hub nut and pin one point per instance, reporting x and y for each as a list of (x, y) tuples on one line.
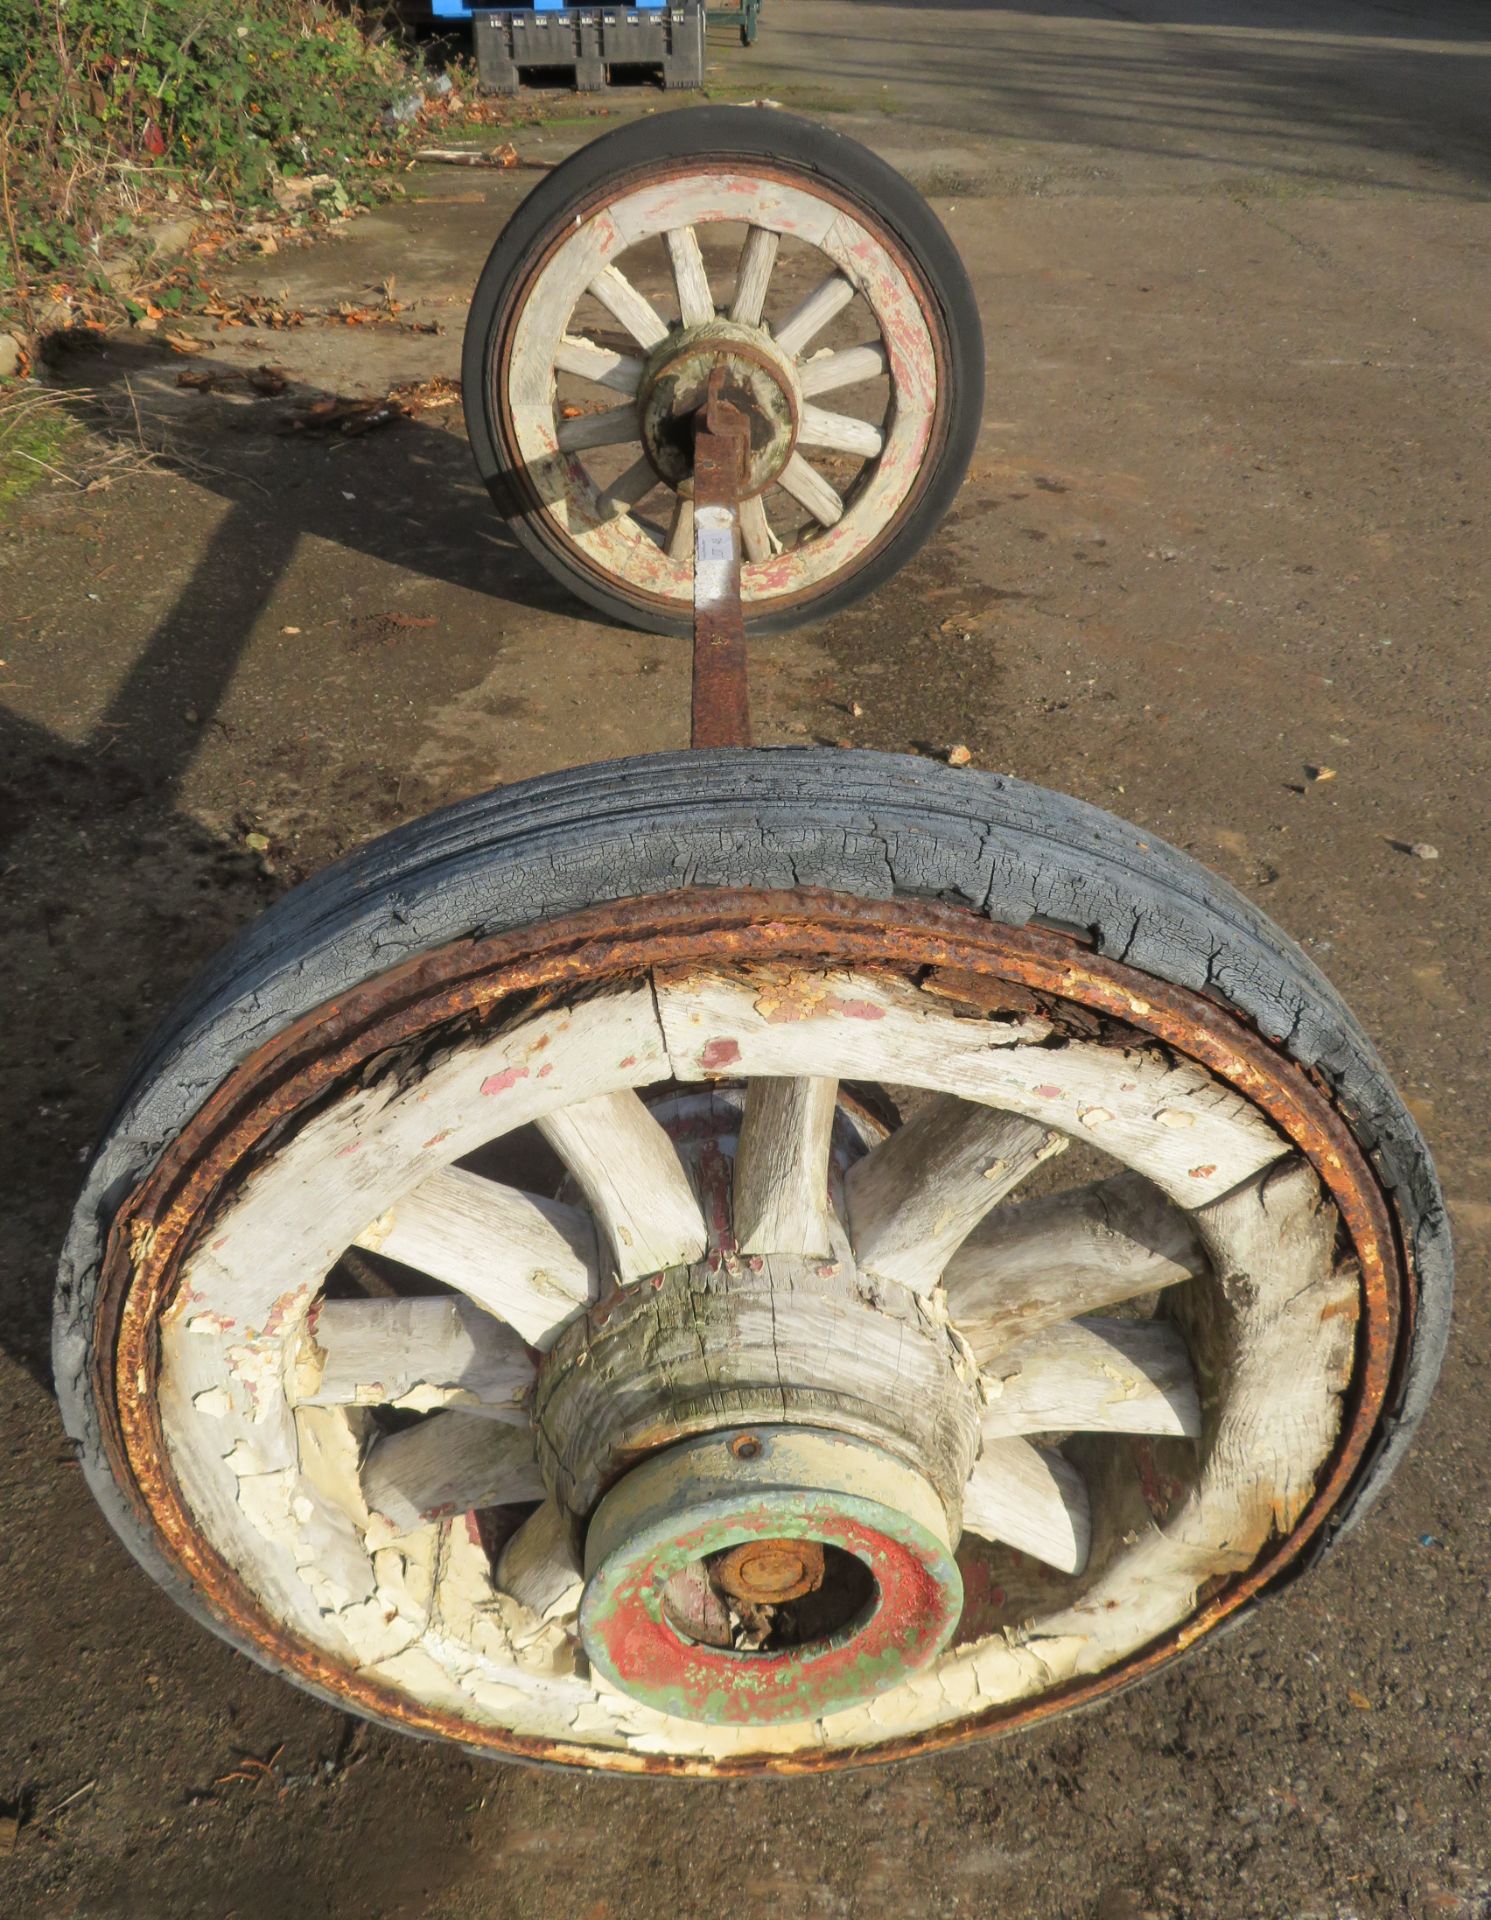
[(768, 1573)]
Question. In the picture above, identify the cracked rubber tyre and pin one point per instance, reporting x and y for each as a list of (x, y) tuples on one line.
[(358, 1317)]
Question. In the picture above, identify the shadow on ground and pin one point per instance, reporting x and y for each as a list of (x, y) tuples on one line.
[(162, 891)]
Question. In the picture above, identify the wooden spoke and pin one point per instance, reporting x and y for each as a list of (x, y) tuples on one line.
[(539, 1565), (532, 1262), (613, 428), (839, 431), (1033, 1500), (680, 541), (417, 1354), (1095, 1376), (781, 1168), (629, 491), (632, 1177), (1065, 1254), (634, 310), (618, 371), (809, 488), (756, 537), (809, 319), (827, 372), (753, 276), (695, 301), (914, 1198), (449, 1463)]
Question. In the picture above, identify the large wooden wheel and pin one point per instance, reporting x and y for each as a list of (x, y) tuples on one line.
[(704, 1326)]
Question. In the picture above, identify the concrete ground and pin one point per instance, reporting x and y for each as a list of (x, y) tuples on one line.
[(1227, 519)]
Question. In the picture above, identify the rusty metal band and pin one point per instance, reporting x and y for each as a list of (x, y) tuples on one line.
[(470, 982)]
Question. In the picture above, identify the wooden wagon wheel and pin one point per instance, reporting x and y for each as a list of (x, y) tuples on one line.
[(723, 237), (1023, 1310), (748, 1259)]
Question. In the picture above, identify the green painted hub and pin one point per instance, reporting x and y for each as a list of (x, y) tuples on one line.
[(669, 1517)]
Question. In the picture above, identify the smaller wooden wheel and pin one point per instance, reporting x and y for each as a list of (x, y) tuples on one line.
[(751, 245), (726, 1327)]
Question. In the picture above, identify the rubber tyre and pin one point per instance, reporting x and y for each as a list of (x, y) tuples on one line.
[(626, 157), (868, 825)]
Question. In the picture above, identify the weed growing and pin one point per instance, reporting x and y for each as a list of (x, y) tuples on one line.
[(118, 115)]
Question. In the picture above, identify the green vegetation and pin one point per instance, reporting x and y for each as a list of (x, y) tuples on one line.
[(115, 114), (33, 445)]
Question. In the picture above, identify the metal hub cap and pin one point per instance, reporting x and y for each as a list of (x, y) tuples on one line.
[(759, 381), (701, 1599), (770, 1572)]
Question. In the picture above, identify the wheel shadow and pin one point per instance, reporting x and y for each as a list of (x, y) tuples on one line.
[(113, 893)]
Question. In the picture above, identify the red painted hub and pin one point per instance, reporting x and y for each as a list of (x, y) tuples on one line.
[(676, 1520)]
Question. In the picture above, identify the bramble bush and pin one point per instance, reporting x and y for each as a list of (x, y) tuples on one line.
[(116, 111)]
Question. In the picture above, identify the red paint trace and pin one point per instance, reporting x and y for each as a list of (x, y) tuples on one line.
[(500, 1082)]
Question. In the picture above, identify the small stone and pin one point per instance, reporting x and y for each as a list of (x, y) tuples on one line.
[(170, 236), (1321, 773), (289, 629), (958, 756), (259, 842), (10, 356), (1421, 850)]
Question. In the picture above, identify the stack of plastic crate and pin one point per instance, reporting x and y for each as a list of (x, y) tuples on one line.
[(586, 40)]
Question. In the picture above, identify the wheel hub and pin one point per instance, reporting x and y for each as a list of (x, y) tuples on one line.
[(759, 381), (682, 1554), (796, 1561)]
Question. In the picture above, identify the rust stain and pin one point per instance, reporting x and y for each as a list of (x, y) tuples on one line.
[(699, 930)]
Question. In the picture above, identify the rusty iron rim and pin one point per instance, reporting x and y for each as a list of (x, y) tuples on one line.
[(468, 981), (498, 368)]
